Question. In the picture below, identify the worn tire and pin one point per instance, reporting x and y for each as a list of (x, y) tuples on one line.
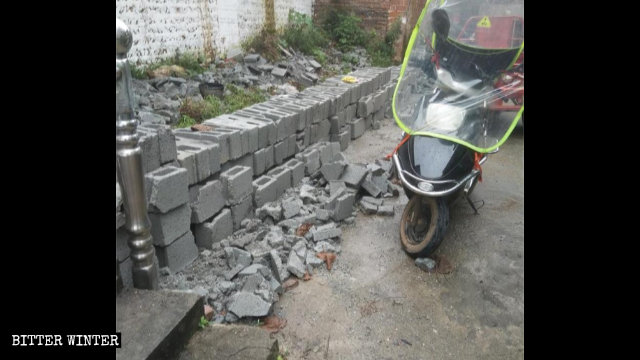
[(423, 225)]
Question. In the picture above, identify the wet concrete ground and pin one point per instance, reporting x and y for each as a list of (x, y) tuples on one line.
[(376, 304)]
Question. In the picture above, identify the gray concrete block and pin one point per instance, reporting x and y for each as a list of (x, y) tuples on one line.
[(365, 106), (343, 138), (150, 147), (208, 137), (265, 189), (245, 161), (357, 128), (269, 160), (335, 125), (210, 159), (327, 231), (378, 116), (344, 206), (322, 131), (235, 142), (165, 228), (369, 186), (311, 159), (195, 160), (267, 129), (242, 210), (336, 186), (325, 150), (292, 149), (282, 177), (297, 170), (385, 210), (259, 162), (280, 150), (368, 208), (206, 200), (166, 188), (275, 263), (295, 264), (179, 254), (166, 142), (212, 232), (248, 130), (335, 149), (368, 122), (332, 171), (291, 207), (354, 174), (350, 112), (372, 200), (236, 183), (244, 304), (378, 99)]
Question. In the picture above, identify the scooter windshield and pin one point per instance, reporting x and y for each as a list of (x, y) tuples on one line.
[(462, 78)]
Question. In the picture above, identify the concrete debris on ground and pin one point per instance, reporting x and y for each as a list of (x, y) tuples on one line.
[(426, 264), (159, 98), (290, 238)]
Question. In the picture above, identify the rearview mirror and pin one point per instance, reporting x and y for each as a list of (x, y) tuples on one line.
[(440, 22)]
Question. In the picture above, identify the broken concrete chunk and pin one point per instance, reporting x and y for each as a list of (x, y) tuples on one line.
[(291, 207), (313, 260), (323, 246), (279, 72), (332, 171), (426, 264), (276, 264), (368, 208), (295, 265), (372, 200), (245, 304), (326, 232), (369, 186), (354, 174), (385, 210)]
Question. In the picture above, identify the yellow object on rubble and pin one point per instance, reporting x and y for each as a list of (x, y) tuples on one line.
[(349, 79)]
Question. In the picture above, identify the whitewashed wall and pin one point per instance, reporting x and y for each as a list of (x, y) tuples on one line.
[(160, 27)]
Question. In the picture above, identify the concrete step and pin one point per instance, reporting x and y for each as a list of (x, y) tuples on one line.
[(156, 324), (237, 342)]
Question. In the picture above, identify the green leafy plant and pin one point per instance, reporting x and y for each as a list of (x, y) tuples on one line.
[(196, 111), (203, 322), (300, 33), (380, 49), (320, 56), (345, 29)]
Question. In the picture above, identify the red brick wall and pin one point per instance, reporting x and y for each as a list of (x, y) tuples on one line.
[(374, 13), (378, 15)]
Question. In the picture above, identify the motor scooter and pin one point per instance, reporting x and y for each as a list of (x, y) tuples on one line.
[(459, 96)]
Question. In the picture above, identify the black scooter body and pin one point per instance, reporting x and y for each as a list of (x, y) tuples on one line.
[(436, 159)]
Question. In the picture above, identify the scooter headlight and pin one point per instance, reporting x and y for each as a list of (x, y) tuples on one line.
[(425, 186)]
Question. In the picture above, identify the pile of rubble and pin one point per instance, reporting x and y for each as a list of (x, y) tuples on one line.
[(290, 238), (159, 99)]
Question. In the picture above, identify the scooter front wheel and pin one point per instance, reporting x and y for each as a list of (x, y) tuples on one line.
[(423, 225)]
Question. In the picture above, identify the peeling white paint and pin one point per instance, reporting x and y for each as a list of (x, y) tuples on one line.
[(162, 27)]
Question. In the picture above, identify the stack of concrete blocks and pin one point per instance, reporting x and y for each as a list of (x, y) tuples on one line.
[(202, 184), (167, 197)]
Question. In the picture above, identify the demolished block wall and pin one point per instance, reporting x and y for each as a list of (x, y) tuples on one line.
[(201, 185)]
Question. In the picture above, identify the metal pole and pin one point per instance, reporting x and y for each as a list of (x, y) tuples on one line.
[(130, 174)]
